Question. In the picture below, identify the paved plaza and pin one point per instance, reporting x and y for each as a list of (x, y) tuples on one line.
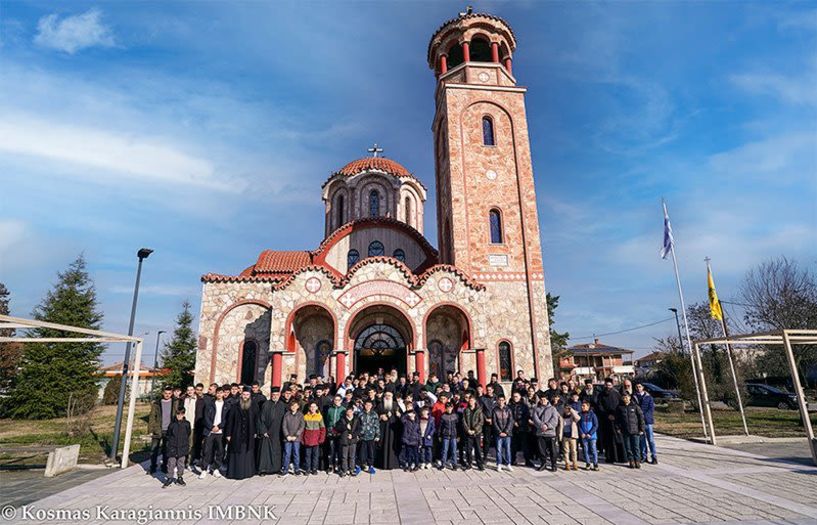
[(694, 483)]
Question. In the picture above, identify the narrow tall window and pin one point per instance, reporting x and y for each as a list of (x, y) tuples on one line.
[(496, 227), (352, 258), (340, 210), (487, 131), (408, 211), (374, 204), (248, 362), (505, 366)]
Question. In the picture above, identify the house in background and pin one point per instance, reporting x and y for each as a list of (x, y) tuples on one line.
[(596, 361), (645, 365), (147, 376)]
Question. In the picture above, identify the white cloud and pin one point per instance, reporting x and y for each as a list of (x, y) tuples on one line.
[(104, 151), (794, 90), (73, 33), (781, 158)]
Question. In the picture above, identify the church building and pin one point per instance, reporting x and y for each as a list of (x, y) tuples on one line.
[(376, 293)]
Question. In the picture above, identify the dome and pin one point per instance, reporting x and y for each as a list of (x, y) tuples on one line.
[(374, 163)]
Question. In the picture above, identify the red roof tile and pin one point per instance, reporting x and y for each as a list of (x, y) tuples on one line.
[(375, 163), (275, 261)]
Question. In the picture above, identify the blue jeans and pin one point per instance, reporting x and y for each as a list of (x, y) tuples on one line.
[(449, 451), (647, 439), (292, 452), (589, 451), (426, 454), (411, 455), (311, 459), (631, 445), (503, 450)]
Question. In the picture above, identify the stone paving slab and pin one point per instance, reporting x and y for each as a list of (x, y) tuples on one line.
[(695, 483)]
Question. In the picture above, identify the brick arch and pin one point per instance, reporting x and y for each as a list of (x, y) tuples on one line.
[(217, 329), (466, 340), (291, 318), (411, 342)]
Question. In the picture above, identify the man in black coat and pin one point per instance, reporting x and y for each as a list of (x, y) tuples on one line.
[(240, 434), (520, 438), (269, 432), (608, 402)]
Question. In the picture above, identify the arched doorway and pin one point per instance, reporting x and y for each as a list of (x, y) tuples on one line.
[(311, 337), (447, 334), (381, 337)]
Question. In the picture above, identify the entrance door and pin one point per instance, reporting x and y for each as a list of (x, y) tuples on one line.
[(380, 346)]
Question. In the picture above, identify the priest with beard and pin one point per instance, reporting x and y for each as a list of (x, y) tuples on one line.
[(240, 433), (390, 428), (270, 449)]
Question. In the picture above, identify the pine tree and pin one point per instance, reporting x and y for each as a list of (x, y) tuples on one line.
[(179, 354), (10, 353), (54, 374), (558, 341)]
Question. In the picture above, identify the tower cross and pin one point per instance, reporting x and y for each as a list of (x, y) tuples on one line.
[(374, 150)]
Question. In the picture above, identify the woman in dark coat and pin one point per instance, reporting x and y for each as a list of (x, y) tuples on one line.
[(240, 433), (269, 434), (390, 426)]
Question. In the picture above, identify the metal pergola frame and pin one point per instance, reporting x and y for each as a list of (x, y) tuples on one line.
[(97, 336), (787, 338)]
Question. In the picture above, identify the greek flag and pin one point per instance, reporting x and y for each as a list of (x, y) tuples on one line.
[(668, 240)]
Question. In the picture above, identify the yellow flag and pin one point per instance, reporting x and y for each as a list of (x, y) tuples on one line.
[(714, 303)]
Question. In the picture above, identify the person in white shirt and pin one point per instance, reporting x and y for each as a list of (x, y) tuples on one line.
[(214, 419)]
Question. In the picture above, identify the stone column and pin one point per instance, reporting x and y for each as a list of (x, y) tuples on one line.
[(277, 366), (340, 366), (481, 366), (495, 52), (419, 363)]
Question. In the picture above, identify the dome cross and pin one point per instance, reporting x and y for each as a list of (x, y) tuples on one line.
[(374, 150)]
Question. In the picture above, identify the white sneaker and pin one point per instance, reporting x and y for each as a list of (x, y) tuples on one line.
[(217, 473), (510, 468), (498, 467), (203, 474)]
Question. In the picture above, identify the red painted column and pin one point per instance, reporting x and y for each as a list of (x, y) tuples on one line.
[(443, 64), (481, 366), (277, 361), (495, 52), (340, 367), (420, 364), (508, 65), (466, 51)]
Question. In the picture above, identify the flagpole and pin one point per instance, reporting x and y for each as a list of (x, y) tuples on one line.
[(686, 328), (729, 354)]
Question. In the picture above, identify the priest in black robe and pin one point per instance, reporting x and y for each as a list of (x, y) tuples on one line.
[(270, 447), (390, 427), (240, 434)]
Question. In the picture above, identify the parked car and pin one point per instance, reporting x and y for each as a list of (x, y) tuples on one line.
[(659, 393), (768, 396)]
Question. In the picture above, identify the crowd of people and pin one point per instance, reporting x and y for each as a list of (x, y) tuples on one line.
[(388, 421)]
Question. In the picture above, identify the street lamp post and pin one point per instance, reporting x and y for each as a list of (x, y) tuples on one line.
[(142, 254), (680, 338), (156, 356)]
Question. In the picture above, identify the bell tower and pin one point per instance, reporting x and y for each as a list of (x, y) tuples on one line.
[(486, 201)]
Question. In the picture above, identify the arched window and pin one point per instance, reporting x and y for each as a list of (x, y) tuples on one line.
[(374, 204), (408, 211), (339, 207), (487, 131), (322, 351), (400, 255), (496, 227), (376, 249), (248, 362), (480, 50), (505, 365), (455, 56), (352, 258)]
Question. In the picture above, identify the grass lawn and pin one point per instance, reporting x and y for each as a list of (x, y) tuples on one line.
[(768, 422), (36, 435)]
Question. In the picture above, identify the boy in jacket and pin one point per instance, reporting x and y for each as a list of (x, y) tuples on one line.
[(292, 428), (331, 417), (588, 428), (520, 439), (313, 437), (647, 404), (570, 435), (411, 441), (428, 429), (631, 425), (503, 424), (177, 443), (449, 422), (369, 435), (545, 421), (472, 422), (348, 430)]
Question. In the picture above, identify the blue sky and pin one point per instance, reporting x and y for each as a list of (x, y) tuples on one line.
[(203, 130)]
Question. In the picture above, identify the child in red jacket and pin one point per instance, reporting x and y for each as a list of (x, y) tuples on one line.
[(313, 437)]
